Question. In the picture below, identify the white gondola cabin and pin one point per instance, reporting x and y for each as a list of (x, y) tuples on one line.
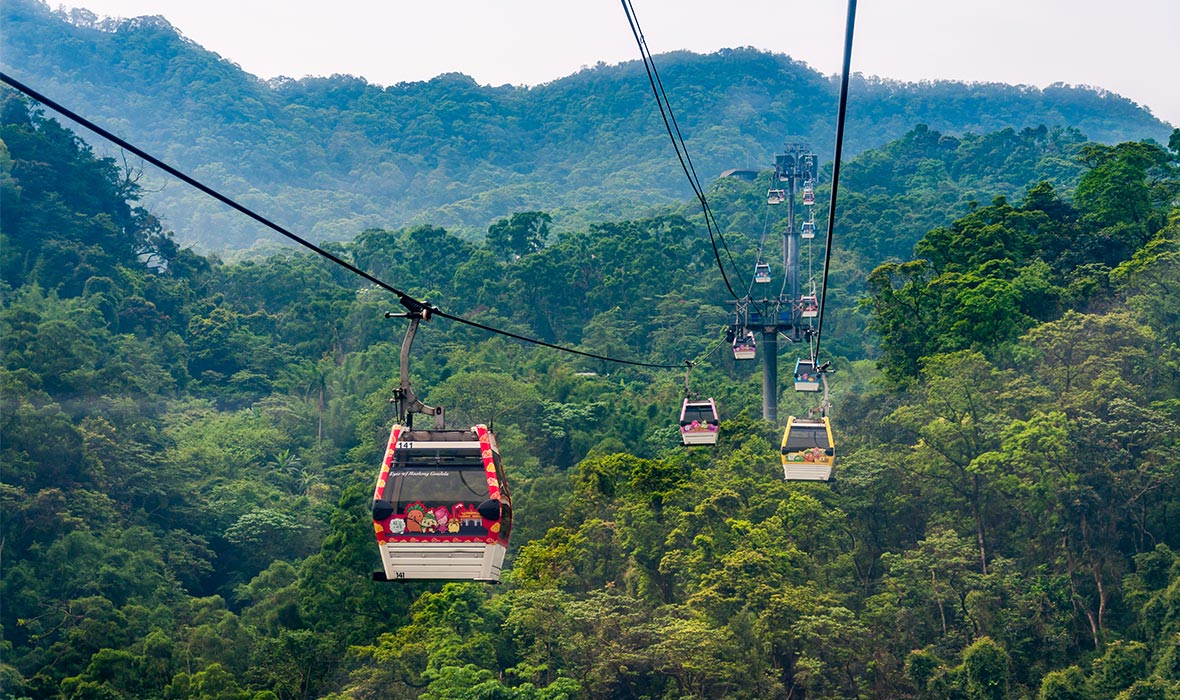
[(762, 273), (776, 196), (808, 229), (441, 508), (808, 195), (744, 347), (809, 306), (808, 451), (806, 376), (698, 422)]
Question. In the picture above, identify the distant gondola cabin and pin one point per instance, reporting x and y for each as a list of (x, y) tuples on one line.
[(808, 451), (808, 229), (776, 196), (809, 306), (762, 273), (744, 347), (806, 376), (441, 508), (698, 422)]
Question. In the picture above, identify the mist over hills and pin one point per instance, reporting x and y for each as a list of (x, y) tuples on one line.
[(332, 156)]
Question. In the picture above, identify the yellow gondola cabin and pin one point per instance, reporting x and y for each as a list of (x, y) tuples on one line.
[(808, 451)]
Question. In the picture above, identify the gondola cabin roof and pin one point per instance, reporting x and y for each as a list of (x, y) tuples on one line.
[(808, 451), (441, 508)]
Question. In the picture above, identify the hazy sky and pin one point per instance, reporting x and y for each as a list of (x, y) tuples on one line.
[(1129, 47)]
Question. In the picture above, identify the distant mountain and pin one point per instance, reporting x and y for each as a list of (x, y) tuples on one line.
[(330, 157)]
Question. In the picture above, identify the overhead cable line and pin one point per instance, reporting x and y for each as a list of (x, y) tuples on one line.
[(761, 245), (414, 305), (709, 351), (840, 115), (673, 129)]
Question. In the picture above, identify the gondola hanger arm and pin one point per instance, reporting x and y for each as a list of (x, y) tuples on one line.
[(407, 402)]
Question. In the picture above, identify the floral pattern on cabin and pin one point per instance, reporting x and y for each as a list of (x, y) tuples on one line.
[(812, 455), (698, 427)]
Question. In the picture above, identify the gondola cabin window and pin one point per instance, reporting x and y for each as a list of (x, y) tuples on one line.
[(439, 502), (804, 439), (699, 414)]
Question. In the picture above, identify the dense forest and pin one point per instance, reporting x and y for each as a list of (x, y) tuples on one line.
[(189, 446), (338, 154)]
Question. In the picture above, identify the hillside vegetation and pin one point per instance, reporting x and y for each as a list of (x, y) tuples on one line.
[(335, 155), (189, 448)]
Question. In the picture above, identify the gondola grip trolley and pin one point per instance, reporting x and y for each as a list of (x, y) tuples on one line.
[(407, 402)]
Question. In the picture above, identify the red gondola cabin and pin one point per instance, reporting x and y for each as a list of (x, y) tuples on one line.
[(441, 508)]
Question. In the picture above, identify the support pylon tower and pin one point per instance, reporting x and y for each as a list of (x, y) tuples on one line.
[(795, 171)]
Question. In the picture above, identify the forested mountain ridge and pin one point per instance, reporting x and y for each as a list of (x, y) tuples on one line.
[(338, 155), (189, 447)]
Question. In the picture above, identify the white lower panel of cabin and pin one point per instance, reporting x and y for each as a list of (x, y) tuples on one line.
[(701, 437), (802, 471), (439, 560)]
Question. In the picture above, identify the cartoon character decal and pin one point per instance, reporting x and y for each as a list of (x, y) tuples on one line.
[(466, 516), (415, 514), (442, 516)]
